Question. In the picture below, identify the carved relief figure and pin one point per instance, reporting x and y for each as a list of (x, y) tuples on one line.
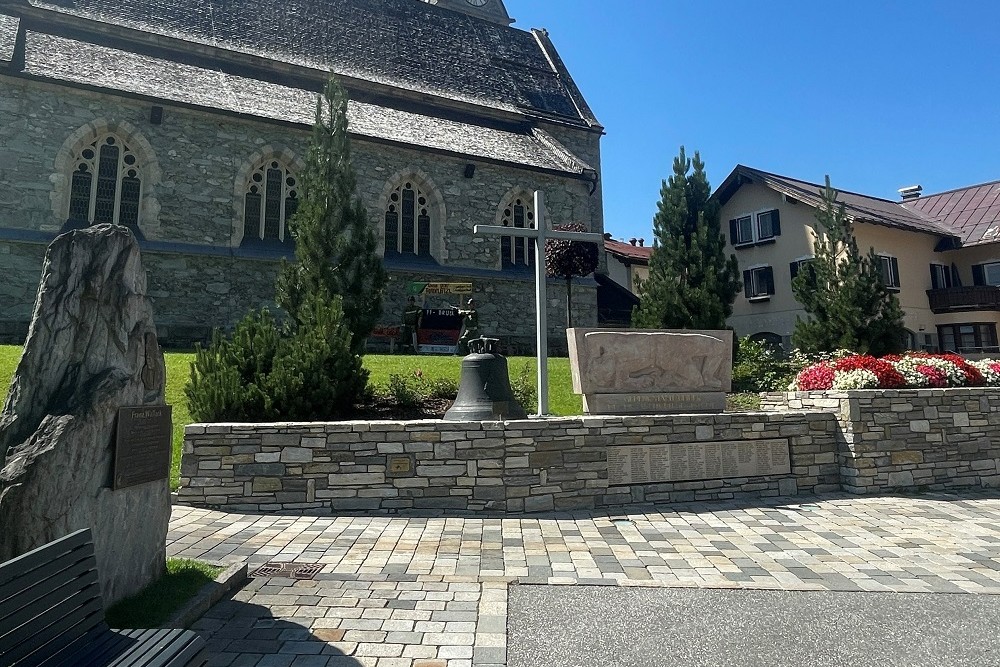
[(655, 361)]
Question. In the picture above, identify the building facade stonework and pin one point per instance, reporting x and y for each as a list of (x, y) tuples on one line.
[(196, 145)]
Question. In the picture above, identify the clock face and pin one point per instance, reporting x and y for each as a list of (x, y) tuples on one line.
[(477, 3)]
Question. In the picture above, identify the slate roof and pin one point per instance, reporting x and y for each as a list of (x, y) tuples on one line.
[(972, 212), (405, 44), (633, 253), (860, 207), (71, 61)]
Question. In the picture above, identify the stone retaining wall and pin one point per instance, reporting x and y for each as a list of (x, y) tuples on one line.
[(519, 466), (909, 438)]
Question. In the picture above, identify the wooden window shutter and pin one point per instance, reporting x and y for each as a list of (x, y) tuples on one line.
[(747, 286), (895, 271), (769, 280), (733, 239), (776, 222), (793, 269), (935, 283)]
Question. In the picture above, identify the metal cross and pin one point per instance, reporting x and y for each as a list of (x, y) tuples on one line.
[(539, 234)]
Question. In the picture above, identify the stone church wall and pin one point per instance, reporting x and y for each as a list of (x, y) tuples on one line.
[(192, 208)]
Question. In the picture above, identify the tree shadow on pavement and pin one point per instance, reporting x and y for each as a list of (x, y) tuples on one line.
[(240, 634)]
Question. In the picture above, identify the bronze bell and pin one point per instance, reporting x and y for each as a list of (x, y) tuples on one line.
[(484, 392)]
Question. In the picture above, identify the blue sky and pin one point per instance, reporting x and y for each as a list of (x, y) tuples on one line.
[(878, 94)]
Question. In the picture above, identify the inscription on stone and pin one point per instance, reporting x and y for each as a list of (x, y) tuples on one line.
[(142, 445), (679, 462)]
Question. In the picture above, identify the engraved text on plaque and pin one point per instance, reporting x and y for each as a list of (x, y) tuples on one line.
[(142, 445), (679, 462)]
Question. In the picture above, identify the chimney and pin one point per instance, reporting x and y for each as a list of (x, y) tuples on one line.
[(911, 192), (632, 240), (641, 241)]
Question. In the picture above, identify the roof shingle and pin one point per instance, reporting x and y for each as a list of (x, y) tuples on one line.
[(406, 44), (972, 212)]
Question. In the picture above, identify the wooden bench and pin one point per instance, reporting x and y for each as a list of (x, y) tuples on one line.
[(51, 613)]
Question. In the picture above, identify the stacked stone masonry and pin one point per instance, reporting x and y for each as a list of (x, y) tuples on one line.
[(911, 438), (518, 466)]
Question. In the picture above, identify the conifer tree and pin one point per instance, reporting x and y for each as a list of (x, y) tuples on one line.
[(691, 283), (335, 246), (843, 292)]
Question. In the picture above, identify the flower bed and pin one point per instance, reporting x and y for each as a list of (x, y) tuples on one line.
[(914, 370)]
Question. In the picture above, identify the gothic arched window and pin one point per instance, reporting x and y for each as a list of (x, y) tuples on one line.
[(518, 213), (106, 185), (270, 200), (407, 222)]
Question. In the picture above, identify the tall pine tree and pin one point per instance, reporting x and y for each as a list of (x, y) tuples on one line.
[(691, 283), (335, 246), (843, 293)]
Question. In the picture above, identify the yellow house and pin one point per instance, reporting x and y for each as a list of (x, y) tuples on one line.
[(940, 254)]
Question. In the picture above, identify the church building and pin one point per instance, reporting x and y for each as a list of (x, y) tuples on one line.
[(188, 121)]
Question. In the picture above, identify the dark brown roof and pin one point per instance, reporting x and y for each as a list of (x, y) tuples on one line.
[(404, 44), (862, 208), (634, 253), (80, 63), (972, 212)]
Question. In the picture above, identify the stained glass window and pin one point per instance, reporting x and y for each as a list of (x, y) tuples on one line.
[(518, 214), (271, 199), (114, 196), (407, 222)]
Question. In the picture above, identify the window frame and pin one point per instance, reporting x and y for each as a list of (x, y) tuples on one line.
[(512, 247), (940, 276), (421, 245), (893, 283), (979, 328), (289, 191), (758, 283), (745, 229), (980, 270), (124, 170)]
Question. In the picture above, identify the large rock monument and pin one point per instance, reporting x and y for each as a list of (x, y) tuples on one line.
[(91, 351), (621, 372)]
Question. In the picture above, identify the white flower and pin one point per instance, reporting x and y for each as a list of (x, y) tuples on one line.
[(985, 367), (859, 378)]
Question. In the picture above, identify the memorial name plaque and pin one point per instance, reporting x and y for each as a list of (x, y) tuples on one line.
[(142, 445), (654, 403), (689, 461), (399, 465)]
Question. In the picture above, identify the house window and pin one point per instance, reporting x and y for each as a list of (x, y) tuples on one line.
[(106, 185), (271, 199), (971, 337), (890, 271), (407, 222), (517, 251), (760, 228), (940, 276), (758, 283), (986, 274), (797, 266), (768, 225)]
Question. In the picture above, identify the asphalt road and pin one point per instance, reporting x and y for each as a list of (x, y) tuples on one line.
[(585, 626)]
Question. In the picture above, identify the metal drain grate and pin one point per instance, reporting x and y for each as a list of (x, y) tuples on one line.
[(288, 570)]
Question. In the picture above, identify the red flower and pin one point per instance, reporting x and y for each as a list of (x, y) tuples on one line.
[(888, 376), (815, 378), (935, 376)]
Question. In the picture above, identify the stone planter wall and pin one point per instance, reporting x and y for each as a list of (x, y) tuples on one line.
[(520, 466), (909, 438)]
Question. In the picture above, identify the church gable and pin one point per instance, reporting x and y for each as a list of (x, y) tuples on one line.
[(405, 44)]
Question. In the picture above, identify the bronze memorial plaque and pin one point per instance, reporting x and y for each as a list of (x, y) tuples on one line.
[(142, 445)]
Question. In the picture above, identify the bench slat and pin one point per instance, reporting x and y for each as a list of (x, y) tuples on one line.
[(22, 623), (18, 585), (45, 591), (52, 631), (44, 555)]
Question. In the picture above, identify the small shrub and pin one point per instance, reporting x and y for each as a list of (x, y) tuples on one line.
[(441, 388), (266, 372), (403, 391), (759, 366), (523, 387)]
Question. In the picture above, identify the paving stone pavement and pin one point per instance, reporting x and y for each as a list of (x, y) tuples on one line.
[(432, 591)]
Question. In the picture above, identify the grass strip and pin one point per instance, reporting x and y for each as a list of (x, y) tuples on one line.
[(155, 604)]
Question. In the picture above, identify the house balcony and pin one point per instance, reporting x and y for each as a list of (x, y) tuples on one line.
[(963, 299)]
